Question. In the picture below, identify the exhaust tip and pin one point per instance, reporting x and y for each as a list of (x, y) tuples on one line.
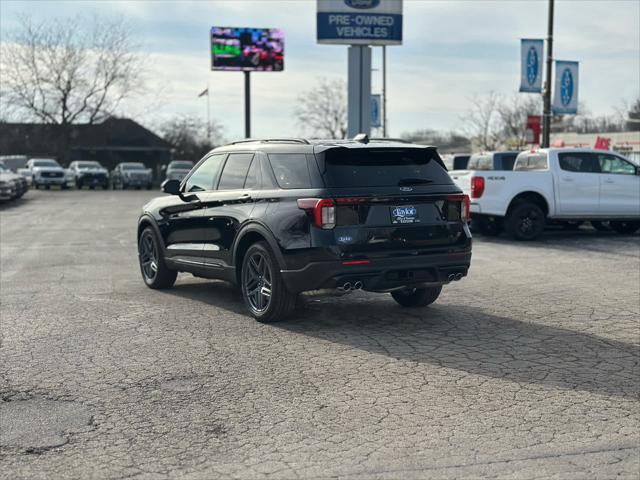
[(458, 276), (357, 285), (452, 277), (346, 286)]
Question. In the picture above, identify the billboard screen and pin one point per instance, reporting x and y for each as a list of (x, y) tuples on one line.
[(248, 49)]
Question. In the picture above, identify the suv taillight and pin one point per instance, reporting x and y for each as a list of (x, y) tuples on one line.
[(321, 210), (464, 206), (477, 187)]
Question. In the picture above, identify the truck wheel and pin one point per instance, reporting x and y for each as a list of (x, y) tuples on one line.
[(417, 296), (525, 221), (155, 272), (601, 226), (488, 227), (625, 227), (263, 289)]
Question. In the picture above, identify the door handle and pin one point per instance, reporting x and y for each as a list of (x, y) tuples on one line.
[(567, 179), (609, 181)]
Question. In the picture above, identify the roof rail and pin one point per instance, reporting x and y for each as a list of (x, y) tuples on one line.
[(389, 139), (271, 140)]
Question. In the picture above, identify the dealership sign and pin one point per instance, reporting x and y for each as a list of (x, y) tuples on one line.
[(360, 22), (565, 99), (531, 65)]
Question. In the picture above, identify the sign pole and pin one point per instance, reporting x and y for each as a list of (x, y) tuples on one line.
[(208, 115), (546, 116), (247, 104), (384, 91), (359, 90)]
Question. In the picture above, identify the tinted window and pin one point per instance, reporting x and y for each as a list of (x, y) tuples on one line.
[(181, 165), (578, 162), (384, 167), (45, 163), (460, 162), (235, 171), (133, 166), (253, 177), (291, 170), (480, 162), (205, 174), (88, 165), (613, 164), (507, 160), (531, 161)]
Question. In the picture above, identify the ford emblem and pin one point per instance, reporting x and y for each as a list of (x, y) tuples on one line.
[(566, 87), (532, 66), (362, 4)]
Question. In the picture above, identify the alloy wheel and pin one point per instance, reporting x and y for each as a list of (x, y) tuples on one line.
[(257, 282), (148, 256)]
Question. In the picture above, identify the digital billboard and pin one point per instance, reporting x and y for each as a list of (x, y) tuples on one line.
[(247, 49)]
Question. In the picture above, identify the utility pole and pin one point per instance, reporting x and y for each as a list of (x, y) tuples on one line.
[(247, 104), (546, 115), (384, 91)]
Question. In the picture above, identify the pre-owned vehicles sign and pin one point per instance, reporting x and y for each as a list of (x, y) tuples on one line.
[(360, 22)]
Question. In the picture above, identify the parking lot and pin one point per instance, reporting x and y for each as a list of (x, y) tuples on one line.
[(527, 368)]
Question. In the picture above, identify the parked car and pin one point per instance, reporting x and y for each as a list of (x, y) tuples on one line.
[(12, 185), (131, 174), (178, 169), (279, 217), (46, 172), (492, 161), (89, 173), (456, 161), (557, 184)]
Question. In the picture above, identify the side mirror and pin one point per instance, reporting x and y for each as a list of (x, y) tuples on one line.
[(172, 187)]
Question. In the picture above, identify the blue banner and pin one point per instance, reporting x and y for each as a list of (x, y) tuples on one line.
[(565, 99), (376, 111), (531, 65)]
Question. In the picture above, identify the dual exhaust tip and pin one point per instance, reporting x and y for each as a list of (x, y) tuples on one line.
[(348, 286), (455, 277)]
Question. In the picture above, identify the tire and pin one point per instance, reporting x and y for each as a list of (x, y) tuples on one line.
[(625, 227), (260, 274), (572, 226), (487, 227), (525, 221), (153, 268), (123, 186), (78, 184), (149, 187), (92, 187), (47, 187), (601, 226), (417, 296)]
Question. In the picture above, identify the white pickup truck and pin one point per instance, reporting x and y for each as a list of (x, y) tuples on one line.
[(568, 185)]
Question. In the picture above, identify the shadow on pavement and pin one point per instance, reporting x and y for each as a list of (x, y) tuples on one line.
[(459, 337)]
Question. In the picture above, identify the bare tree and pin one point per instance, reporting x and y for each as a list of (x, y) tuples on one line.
[(68, 71), (482, 121), (513, 113), (322, 110), (188, 135)]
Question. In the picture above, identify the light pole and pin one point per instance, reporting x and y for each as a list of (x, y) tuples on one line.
[(546, 95)]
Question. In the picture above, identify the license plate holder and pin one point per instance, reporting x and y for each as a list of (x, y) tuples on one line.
[(404, 215)]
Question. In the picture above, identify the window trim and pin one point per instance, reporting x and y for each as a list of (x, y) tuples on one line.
[(217, 184)]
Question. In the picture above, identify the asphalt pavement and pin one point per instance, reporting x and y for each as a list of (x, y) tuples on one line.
[(528, 368)]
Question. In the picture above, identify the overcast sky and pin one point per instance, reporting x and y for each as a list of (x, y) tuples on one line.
[(451, 51)]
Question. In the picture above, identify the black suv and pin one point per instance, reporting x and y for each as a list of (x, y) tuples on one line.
[(281, 216)]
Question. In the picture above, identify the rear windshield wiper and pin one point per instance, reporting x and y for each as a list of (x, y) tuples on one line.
[(413, 181)]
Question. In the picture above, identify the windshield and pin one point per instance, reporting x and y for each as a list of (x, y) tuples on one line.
[(133, 166), (383, 168), (181, 165), (89, 165), (45, 163)]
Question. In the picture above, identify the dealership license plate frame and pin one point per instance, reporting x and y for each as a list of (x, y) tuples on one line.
[(404, 215)]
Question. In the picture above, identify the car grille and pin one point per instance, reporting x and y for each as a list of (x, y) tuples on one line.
[(52, 174)]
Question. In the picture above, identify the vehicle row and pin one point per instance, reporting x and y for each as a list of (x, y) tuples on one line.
[(565, 186), (47, 172)]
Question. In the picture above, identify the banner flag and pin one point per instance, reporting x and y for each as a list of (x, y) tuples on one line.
[(565, 98), (375, 111), (531, 65)]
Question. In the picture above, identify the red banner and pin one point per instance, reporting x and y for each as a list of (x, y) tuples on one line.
[(533, 129)]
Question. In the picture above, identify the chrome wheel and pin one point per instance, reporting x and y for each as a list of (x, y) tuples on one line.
[(148, 256), (257, 281)]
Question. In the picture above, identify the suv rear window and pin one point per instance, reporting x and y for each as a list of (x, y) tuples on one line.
[(363, 167)]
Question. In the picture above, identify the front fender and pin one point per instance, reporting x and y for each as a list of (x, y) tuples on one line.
[(147, 220)]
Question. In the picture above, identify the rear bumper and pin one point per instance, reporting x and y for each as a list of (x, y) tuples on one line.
[(381, 273)]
